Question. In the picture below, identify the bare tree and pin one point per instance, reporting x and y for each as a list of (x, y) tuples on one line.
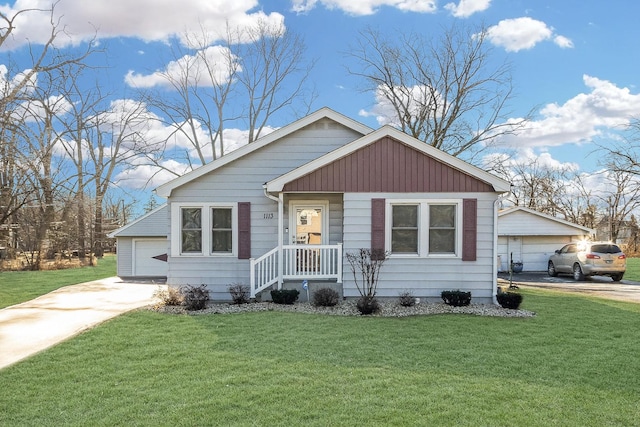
[(27, 131), (255, 73), (443, 91), (620, 200)]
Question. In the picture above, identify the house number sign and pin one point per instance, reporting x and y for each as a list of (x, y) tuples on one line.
[(268, 216)]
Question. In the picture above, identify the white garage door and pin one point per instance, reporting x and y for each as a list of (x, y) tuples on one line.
[(148, 257)]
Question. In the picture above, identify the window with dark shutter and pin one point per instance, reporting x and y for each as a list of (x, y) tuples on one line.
[(377, 229), (244, 230), (469, 229)]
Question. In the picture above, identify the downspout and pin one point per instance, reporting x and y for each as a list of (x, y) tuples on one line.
[(280, 201), (495, 243)]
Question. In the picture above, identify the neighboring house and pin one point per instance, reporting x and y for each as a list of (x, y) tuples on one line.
[(287, 208), (627, 230), (530, 237)]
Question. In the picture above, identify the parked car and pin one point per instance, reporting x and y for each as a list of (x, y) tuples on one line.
[(584, 259)]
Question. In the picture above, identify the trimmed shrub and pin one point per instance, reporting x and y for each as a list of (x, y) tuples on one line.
[(406, 299), (284, 296), (511, 300), (368, 305), (239, 293), (325, 297), (456, 298), (169, 296), (195, 297)]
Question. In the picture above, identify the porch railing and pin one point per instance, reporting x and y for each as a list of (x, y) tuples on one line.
[(311, 262)]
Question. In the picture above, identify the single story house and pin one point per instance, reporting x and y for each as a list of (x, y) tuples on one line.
[(286, 209), (530, 237)]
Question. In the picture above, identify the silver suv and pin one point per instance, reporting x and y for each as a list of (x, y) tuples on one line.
[(584, 259)]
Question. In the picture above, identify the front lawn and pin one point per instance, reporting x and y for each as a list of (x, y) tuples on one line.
[(633, 269), (574, 364), (21, 286)]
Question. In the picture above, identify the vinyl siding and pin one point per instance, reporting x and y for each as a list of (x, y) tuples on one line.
[(425, 277), (242, 181), (521, 223), (125, 256)]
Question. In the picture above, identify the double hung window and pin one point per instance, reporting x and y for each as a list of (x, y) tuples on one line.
[(205, 229), (424, 228)]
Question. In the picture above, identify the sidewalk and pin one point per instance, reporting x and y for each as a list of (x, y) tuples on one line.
[(33, 326)]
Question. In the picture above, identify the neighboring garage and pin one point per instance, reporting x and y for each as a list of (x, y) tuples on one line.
[(142, 246), (530, 237)]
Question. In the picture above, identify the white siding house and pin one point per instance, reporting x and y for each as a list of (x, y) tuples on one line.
[(287, 207)]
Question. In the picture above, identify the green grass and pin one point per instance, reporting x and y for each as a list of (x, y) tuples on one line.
[(21, 286), (633, 269), (574, 364)]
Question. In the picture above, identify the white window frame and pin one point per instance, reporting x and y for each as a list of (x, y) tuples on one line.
[(207, 229), (423, 227)]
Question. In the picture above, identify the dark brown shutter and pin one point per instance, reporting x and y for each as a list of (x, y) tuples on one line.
[(469, 229), (377, 228), (244, 230)]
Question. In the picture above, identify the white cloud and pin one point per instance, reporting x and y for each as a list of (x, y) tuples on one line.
[(582, 118), (523, 33), (466, 8), (563, 42), (365, 7), (213, 60), (149, 20)]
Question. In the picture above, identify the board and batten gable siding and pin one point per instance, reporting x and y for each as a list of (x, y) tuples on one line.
[(387, 165), (242, 181), (425, 277)]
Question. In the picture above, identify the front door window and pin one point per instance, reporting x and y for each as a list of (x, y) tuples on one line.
[(308, 223), (308, 228)]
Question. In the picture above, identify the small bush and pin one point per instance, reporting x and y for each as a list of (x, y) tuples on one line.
[(284, 296), (195, 297), (510, 300), (326, 297), (456, 298), (406, 299), (169, 296), (368, 305), (239, 293)]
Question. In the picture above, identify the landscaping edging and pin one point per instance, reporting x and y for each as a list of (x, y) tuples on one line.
[(348, 308)]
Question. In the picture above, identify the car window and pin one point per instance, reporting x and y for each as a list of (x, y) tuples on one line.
[(605, 249), (569, 249)]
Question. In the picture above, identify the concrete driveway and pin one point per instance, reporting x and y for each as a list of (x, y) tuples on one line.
[(30, 327), (600, 286)]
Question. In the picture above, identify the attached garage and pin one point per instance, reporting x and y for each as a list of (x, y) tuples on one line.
[(150, 257), (142, 246), (530, 237)]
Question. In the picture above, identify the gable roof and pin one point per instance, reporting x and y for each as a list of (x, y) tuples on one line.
[(165, 189), (527, 211), (153, 217), (498, 184)]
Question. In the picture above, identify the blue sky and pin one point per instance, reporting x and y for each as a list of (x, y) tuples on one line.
[(574, 61)]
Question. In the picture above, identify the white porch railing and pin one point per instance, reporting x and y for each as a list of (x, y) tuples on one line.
[(311, 262)]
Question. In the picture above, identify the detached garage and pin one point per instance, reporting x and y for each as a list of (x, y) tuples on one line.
[(142, 246), (530, 237)]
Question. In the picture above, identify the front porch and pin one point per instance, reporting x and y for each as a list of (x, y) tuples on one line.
[(296, 262)]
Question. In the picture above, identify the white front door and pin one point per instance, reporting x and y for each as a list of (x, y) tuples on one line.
[(308, 223)]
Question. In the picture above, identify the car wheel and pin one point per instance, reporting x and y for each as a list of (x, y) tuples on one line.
[(577, 272), (617, 277), (551, 269)]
